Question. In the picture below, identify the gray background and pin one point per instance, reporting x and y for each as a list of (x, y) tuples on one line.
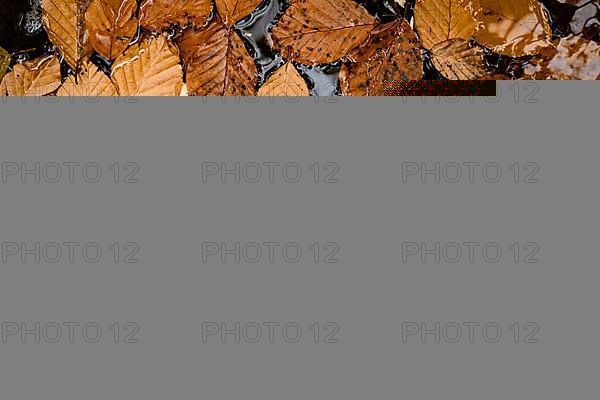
[(369, 214)]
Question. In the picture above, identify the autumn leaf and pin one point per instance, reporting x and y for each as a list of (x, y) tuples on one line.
[(285, 81), (65, 24), (111, 24), (4, 62), (89, 82), (457, 60), (322, 31), (392, 54), (157, 15), (439, 20), (33, 78), (513, 27), (150, 68), (217, 62), (231, 11)]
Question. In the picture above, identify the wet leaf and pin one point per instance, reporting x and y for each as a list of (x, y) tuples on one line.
[(33, 78), (90, 82), (231, 11), (157, 15), (439, 20), (217, 62), (513, 27), (150, 68), (322, 31), (285, 81), (111, 24), (391, 55), (4, 62), (574, 58), (457, 60), (65, 23)]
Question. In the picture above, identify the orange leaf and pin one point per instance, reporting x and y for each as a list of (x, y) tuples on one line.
[(217, 62), (90, 82), (285, 81), (33, 78), (111, 24), (391, 55), (322, 31), (157, 15), (231, 11)]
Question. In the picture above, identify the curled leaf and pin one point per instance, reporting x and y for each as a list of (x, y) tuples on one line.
[(33, 78), (285, 81), (391, 55), (64, 21), (457, 60), (111, 24), (150, 68), (513, 27), (157, 15), (90, 82), (439, 20), (322, 31), (217, 62), (231, 11)]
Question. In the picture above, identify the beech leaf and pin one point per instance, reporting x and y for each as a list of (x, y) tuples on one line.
[(322, 31), (4, 62), (457, 60), (513, 27), (90, 82), (391, 55), (439, 20), (111, 24), (150, 68), (157, 15), (64, 21), (231, 11), (285, 81), (217, 62), (38, 77)]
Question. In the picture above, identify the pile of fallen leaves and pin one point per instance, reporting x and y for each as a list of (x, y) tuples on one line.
[(179, 47)]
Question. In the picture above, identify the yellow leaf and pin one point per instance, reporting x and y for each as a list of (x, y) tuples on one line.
[(231, 11), (150, 68), (286, 81), (439, 20), (33, 78), (157, 15), (513, 27), (111, 24), (90, 82), (457, 60), (217, 62), (322, 31), (65, 24)]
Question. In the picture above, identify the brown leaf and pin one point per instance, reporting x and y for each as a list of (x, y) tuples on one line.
[(286, 81), (157, 15), (322, 31), (439, 20), (231, 11), (217, 62), (33, 78), (457, 60), (90, 82), (150, 68), (513, 27), (392, 54), (4, 62), (65, 24), (111, 24)]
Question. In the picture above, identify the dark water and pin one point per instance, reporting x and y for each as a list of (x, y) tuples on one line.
[(22, 35)]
